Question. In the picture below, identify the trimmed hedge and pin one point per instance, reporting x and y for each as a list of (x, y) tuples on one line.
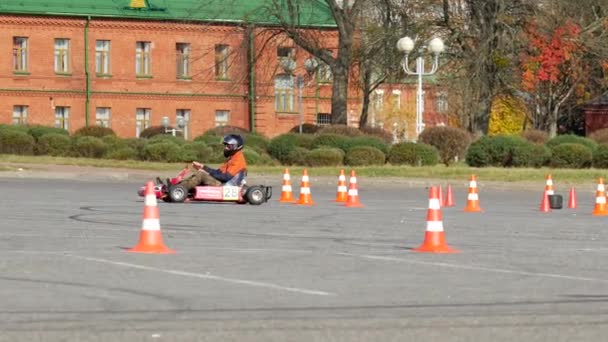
[(332, 140), (38, 131), (571, 139), (364, 155), (600, 157), (367, 140), (89, 147), (94, 131), (281, 146), (163, 151), (153, 131), (340, 130), (414, 154), (570, 155), (54, 144), (451, 142), (325, 156), (16, 141)]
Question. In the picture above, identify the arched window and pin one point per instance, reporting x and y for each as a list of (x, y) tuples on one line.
[(284, 93)]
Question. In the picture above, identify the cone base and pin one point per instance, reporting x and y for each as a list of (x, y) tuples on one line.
[(434, 242), (473, 210), (305, 201), (151, 242), (599, 213), (287, 200), (353, 205)]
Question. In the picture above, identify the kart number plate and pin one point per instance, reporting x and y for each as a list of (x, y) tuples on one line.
[(231, 193)]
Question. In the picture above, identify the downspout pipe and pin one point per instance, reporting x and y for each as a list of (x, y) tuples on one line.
[(251, 79), (86, 72)]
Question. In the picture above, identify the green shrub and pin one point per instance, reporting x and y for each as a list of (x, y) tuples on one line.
[(477, 153), (38, 131), (54, 144), (136, 144), (571, 155), (571, 139), (209, 139), (528, 154), (364, 155), (114, 142), (304, 140), (600, 136), (88, 147), (331, 140), (94, 131), (413, 154), (153, 131), (20, 128), (122, 153), (535, 136), (167, 138), (386, 136), (257, 142), (600, 157), (325, 156), (281, 146), (16, 141), (451, 142), (340, 130), (297, 156), (307, 128), (224, 130), (164, 151), (500, 149), (428, 155), (252, 156), (367, 140), (198, 151)]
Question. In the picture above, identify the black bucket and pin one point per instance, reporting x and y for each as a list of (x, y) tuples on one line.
[(555, 201)]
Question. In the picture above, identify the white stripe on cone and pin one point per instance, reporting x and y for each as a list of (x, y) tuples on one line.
[(304, 178), (473, 197), (353, 180), (434, 226), (151, 224), (434, 203), (286, 188), (305, 190), (353, 192), (150, 200), (600, 199), (342, 188), (473, 184), (286, 177)]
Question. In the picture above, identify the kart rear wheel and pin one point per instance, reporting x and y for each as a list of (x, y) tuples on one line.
[(255, 195), (178, 193)]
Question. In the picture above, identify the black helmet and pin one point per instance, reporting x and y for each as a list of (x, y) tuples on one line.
[(232, 143)]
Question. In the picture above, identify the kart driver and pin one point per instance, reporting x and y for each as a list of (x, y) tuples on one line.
[(204, 175)]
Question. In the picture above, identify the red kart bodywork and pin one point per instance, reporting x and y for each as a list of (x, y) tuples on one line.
[(222, 193)]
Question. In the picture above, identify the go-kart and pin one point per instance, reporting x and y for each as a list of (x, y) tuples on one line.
[(235, 190)]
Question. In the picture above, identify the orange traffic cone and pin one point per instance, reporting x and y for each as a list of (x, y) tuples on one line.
[(353, 193), (449, 200), (150, 238), (600, 199), (286, 191), (434, 238), (305, 196), (544, 203), (549, 185), (572, 199), (472, 197), (441, 199), (341, 195)]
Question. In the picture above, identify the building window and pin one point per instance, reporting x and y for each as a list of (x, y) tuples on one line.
[(62, 55), (19, 54), (324, 74), (222, 117), (102, 116), (19, 115), (62, 117), (284, 93), (102, 57), (323, 119), (184, 114), (442, 102), (142, 58), (142, 120), (378, 101), (221, 61), (396, 99), (182, 55)]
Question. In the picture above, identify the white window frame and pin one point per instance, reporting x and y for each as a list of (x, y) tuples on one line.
[(222, 51), (102, 116), (142, 120), (396, 99), (20, 115), (222, 117), (284, 93), (182, 55), (102, 57), (20, 54), (143, 58), (184, 113), (62, 55), (62, 117)]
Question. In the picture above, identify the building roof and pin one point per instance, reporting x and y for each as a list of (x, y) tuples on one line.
[(314, 13)]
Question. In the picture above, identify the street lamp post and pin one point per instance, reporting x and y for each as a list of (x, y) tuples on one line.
[(179, 122), (406, 45)]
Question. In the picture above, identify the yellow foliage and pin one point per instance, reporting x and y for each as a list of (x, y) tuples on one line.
[(507, 116)]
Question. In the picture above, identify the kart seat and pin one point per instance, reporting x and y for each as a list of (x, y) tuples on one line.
[(238, 180)]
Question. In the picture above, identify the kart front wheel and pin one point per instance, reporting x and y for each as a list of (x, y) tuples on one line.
[(255, 195), (178, 193)]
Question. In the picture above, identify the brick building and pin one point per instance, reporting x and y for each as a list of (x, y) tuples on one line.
[(127, 64)]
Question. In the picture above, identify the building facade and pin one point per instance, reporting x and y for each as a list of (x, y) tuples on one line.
[(128, 64)]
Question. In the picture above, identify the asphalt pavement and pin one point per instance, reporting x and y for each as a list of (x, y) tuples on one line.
[(283, 272)]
